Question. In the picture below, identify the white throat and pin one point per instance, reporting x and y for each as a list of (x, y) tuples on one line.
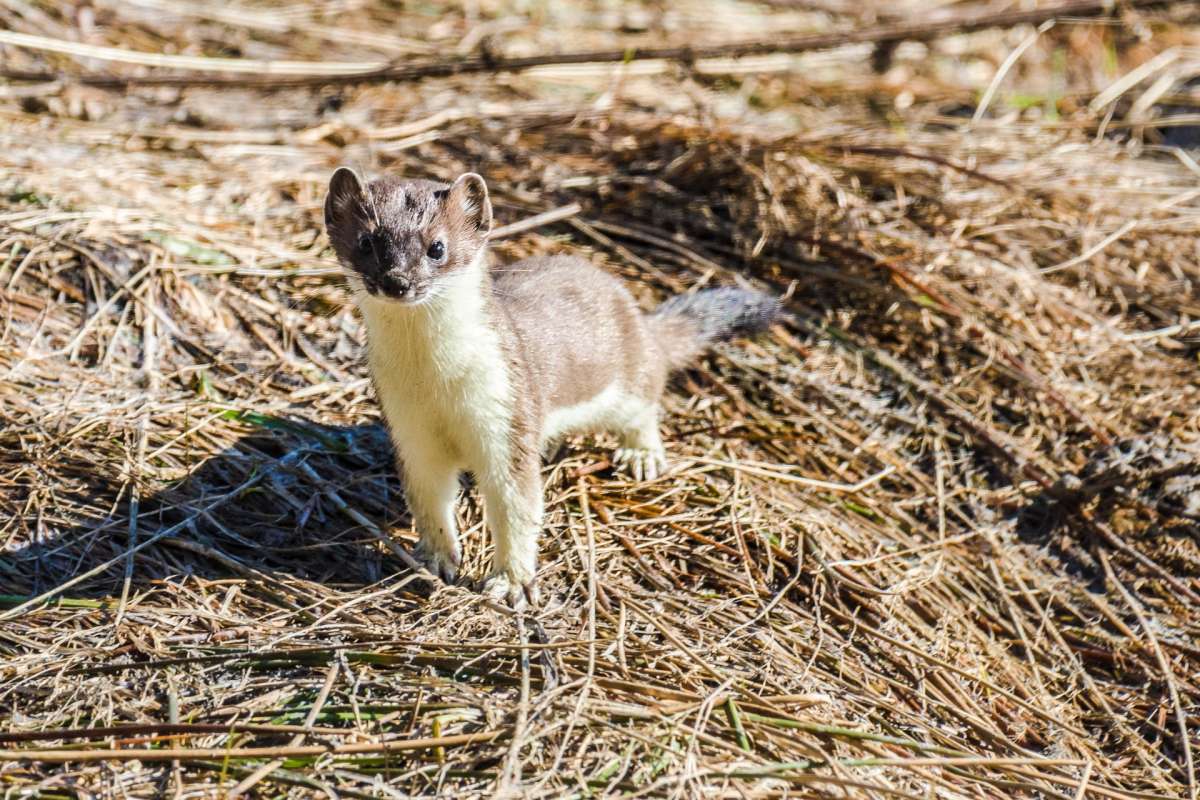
[(447, 345), (441, 375)]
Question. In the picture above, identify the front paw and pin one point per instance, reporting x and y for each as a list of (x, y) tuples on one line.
[(519, 594), (440, 557), (641, 463)]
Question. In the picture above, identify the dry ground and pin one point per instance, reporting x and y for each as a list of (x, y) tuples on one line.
[(935, 535)]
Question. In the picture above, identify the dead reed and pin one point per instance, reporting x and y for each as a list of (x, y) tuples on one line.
[(936, 535)]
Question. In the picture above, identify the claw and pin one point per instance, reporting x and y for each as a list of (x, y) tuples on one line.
[(641, 464), (518, 595), (441, 561)]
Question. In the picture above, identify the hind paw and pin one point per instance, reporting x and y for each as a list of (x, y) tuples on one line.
[(502, 587), (642, 463)]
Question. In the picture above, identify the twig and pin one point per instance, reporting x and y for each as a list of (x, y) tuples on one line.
[(944, 761), (1108, 535), (1026, 463), (166, 729), (1181, 718), (536, 221), (509, 781), (829, 486), (675, 640), (590, 672), (1094, 250), (150, 371), (376, 531), (1170, 330), (173, 719), (96, 570), (289, 751), (279, 74), (1083, 781), (1133, 78), (248, 66), (1007, 65), (251, 780)]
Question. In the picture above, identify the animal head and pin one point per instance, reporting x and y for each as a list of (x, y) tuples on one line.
[(405, 239)]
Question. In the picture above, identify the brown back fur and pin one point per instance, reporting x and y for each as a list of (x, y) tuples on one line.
[(580, 330)]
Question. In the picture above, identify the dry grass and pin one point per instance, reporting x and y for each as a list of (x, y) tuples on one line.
[(934, 536)]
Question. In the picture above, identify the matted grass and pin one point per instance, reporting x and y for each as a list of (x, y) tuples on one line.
[(935, 535)]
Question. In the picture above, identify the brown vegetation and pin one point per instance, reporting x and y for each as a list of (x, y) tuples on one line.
[(935, 535)]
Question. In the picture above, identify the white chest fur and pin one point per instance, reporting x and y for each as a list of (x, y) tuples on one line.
[(441, 375)]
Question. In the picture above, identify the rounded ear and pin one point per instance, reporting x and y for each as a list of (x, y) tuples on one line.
[(346, 194), (471, 193)]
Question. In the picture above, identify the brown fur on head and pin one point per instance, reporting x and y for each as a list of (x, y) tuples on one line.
[(402, 237)]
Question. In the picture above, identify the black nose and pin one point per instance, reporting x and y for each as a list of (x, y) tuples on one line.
[(393, 284)]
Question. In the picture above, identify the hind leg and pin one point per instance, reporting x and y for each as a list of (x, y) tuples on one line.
[(641, 452)]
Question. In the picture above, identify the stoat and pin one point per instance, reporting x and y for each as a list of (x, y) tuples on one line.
[(478, 368)]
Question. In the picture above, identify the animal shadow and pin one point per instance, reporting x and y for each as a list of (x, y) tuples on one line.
[(289, 499)]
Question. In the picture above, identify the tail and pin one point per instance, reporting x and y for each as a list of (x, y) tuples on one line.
[(688, 324)]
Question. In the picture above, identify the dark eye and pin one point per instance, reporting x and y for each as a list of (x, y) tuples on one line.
[(437, 250), (364, 244)]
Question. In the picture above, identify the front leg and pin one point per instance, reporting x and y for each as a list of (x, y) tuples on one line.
[(513, 500), (431, 488)]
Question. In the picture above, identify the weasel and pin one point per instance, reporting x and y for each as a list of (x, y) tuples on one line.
[(478, 368)]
